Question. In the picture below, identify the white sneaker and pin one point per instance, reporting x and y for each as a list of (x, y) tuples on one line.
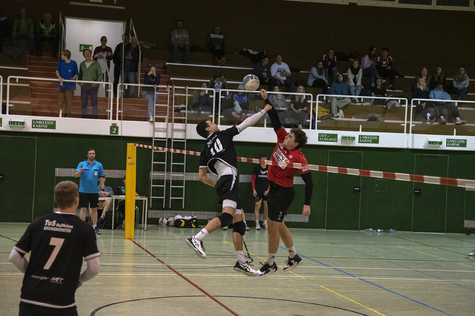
[(472, 253), (247, 228), (245, 269), (258, 227), (340, 114), (197, 246), (225, 228)]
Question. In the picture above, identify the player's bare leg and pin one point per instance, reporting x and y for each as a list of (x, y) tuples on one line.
[(257, 207)]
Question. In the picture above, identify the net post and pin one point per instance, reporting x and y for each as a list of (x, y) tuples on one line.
[(130, 174)]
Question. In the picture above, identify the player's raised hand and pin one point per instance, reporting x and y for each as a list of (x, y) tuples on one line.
[(306, 210), (264, 94)]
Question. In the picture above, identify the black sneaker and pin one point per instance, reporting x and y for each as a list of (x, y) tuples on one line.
[(292, 263), (245, 269), (267, 269), (197, 246)]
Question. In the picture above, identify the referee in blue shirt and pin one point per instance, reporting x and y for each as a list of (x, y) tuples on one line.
[(90, 172)]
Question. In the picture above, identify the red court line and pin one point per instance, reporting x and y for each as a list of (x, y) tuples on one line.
[(185, 278)]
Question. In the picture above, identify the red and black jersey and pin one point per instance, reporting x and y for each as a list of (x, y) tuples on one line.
[(58, 243), (281, 174), (385, 61)]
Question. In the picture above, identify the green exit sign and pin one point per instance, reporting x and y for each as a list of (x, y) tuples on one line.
[(16, 123), (83, 47), (435, 143), (348, 138)]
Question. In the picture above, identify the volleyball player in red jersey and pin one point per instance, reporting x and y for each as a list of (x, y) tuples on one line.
[(281, 193)]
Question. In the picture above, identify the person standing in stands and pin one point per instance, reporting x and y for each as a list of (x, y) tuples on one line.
[(180, 41), (118, 60), (103, 55), (47, 31), (59, 243), (152, 77), (281, 193), (89, 70), (67, 69), (24, 27), (131, 65), (260, 189), (216, 45)]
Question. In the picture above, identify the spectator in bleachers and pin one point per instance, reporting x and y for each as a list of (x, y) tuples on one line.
[(24, 27), (180, 41), (152, 77), (280, 73), (317, 77), (299, 108), (67, 69), (89, 70), (103, 55), (216, 45), (424, 74), (329, 65), (4, 28), (201, 100), (217, 83), (385, 67), (239, 106), (438, 78), (339, 87), (262, 71), (420, 91), (379, 91), (439, 94), (47, 31), (118, 60), (368, 64), (354, 78), (279, 102), (131, 65), (461, 81)]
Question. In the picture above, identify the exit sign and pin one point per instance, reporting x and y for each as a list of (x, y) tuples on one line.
[(83, 47)]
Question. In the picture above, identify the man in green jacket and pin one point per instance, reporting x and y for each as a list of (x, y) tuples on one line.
[(89, 70), (23, 27)]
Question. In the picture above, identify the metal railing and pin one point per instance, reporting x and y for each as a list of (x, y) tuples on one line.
[(403, 102), (17, 78), (120, 91)]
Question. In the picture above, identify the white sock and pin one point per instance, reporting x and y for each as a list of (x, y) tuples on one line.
[(202, 234), (240, 256), (265, 222), (442, 117), (245, 223), (93, 226), (292, 252), (457, 119), (257, 222), (271, 258)]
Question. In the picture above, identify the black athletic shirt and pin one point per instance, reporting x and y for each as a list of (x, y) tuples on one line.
[(58, 244), (219, 146), (261, 178)]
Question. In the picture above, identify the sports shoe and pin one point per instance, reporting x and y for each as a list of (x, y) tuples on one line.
[(247, 228), (460, 122), (292, 263), (258, 227), (443, 121), (245, 269), (267, 269), (472, 253), (197, 246), (96, 230), (225, 228)]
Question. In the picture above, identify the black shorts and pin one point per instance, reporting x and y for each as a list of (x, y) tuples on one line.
[(86, 199), (278, 201), (260, 196), (227, 188), (30, 309)]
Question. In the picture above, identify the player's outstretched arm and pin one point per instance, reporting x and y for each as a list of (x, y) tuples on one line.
[(274, 117), (251, 120), (203, 177)]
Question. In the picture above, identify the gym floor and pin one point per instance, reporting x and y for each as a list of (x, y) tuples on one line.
[(343, 273)]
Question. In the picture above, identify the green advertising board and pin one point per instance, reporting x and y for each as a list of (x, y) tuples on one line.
[(368, 139), (330, 138), (451, 142), (43, 124)]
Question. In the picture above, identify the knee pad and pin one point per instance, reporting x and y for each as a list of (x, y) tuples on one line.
[(239, 227), (226, 219)]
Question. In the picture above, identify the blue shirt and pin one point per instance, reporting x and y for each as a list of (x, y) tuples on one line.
[(67, 71), (106, 189), (90, 176)]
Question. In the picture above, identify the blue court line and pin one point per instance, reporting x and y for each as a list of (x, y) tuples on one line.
[(422, 272), (381, 287)]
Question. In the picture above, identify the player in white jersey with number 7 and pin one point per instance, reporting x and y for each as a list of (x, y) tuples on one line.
[(219, 157), (58, 243)]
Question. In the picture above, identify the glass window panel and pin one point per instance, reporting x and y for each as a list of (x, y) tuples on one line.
[(454, 3)]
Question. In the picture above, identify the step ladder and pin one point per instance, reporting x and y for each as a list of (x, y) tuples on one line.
[(161, 136), (178, 141)]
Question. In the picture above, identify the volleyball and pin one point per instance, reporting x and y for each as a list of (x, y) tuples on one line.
[(171, 221), (251, 82), (162, 221)]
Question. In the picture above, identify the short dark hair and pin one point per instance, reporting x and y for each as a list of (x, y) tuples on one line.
[(86, 50), (103, 37), (90, 150), (65, 194), (201, 128), (300, 137)]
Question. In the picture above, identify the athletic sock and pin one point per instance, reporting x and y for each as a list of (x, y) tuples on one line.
[(257, 222), (93, 226), (292, 252), (271, 258), (265, 222), (240, 256), (202, 234)]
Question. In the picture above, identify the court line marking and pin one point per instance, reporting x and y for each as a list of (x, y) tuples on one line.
[(440, 258), (379, 286), (185, 278), (352, 300)]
